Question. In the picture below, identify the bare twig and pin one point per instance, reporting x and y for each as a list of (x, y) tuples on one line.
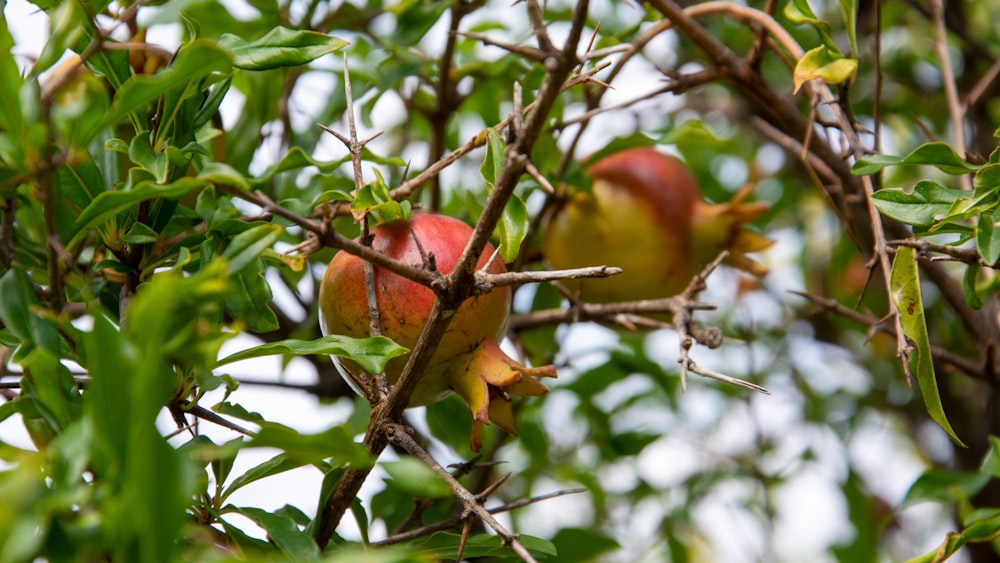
[(454, 521), (955, 110), (400, 435), (967, 366), (487, 281)]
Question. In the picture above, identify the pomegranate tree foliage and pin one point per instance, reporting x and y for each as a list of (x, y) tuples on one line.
[(156, 199)]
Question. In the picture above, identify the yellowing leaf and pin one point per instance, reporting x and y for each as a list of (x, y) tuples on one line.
[(826, 63), (905, 284)]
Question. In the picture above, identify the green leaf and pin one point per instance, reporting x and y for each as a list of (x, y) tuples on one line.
[(988, 238), (248, 246), (140, 233), (991, 463), (493, 161), (302, 448), (19, 311), (928, 202), (250, 298), (279, 48), (414, 477), (11, 81), (982, 526), (944, 486), (799, 12), (371, 353), (67, 23), (826, 63), (294, 159), (577, 545), (444, 546), (194, 61), (849, 9), (905, 285), (108, 204), (937, 154), (414, 20), (969, 288), (374, 198), (220, 173), (285, 533), (514, 224)]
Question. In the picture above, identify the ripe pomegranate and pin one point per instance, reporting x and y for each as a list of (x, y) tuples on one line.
[(468, 359), (646, 215)]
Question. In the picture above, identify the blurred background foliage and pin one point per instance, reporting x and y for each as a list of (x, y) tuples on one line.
[(130, 256)]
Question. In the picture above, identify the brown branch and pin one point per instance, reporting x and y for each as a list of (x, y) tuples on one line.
[(486, 281)]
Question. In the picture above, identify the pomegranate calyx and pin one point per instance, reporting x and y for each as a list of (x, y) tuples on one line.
[(486, 378)]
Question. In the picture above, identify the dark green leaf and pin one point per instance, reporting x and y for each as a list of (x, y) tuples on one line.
[(285, 533), (19, 311), (923, 206), (580, 545), (194, 61), (280, 47), (988, 238)]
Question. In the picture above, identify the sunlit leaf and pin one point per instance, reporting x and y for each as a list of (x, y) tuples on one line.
[(826, 64), (371, 353), (335, 443)]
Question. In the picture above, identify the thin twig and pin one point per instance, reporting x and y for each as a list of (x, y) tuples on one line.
[(487, 281), (454, 521), (400, 436), (955, 110), (967, 366)]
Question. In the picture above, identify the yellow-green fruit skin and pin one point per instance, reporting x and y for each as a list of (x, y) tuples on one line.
[(405, 305), (638, 217)]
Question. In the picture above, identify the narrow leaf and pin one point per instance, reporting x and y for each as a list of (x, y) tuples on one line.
[(937, 154), (988, 238), (248, 245), (905, 284), (371, 353)]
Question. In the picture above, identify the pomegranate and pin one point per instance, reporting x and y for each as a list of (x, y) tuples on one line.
[(646, 215), (468, 360)]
